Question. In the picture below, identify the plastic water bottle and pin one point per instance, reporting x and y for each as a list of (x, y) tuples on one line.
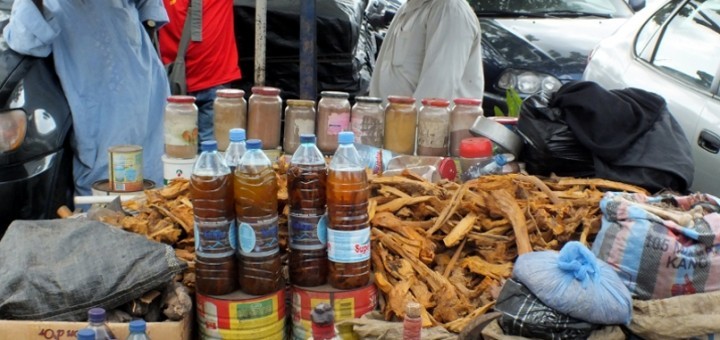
[(256, 208), (85, 334), (348, 239), (323, 322), (211, 192), (96, 318), (376, 159), (137, 330), (236, 149), (307, 177), (495, 167)]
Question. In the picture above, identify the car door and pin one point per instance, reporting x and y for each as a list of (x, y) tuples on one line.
[(679, 61)]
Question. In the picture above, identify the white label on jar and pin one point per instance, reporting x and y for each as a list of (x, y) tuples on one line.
[(181, 130), (338, 122), (433, 133), (304, 126), (348, 246)]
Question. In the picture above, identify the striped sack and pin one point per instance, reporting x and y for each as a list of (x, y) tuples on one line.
[(661, 246)]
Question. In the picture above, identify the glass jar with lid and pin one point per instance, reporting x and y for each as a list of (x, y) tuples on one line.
[(433, 126), (333, 118), (299, 119), (368, 121), (230, 110), (181, 127), (265, 116), (462, 118), (400, 123)]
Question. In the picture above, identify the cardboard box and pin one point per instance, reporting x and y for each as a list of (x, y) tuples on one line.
[(57, 330)]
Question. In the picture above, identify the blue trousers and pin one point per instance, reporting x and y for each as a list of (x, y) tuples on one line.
[(204, 100)]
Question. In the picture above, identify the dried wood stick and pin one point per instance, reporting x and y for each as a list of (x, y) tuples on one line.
[(454, 259), (602, 183), (460, 230), (386, 189), (679, 217), (448, 211), (508, 205), (540, 185), (401, 202)]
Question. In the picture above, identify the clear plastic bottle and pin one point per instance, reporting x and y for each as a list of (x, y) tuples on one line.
[(307, 178), (85, 334), (348, 237), (323, 322), (256, 208), (495, 167), (96, 319), (236, 149), (230, 110), (137, 330), (211, 193), (412, 323)]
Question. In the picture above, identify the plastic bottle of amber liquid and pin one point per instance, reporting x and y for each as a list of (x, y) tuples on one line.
[(211, 193), (348, 243), (256, 207), (307, 177), (412, 323)]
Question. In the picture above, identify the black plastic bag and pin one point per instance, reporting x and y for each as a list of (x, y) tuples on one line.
[(525, 315), (58, 269)]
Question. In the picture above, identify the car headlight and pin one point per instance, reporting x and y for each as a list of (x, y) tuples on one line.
[(528, 82), (13, 125)]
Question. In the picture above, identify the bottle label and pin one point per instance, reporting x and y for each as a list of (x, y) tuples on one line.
[(214, 239), (305, 232), (304, 126), (348, 246), (258, 237), (338, 122)]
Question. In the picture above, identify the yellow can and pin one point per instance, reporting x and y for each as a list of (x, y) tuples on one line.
[(125, 168), (239, 316)]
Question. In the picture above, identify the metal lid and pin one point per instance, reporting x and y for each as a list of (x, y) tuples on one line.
[(499, 133), (334, 94), (301, 102), (401, 100), (369, 100)]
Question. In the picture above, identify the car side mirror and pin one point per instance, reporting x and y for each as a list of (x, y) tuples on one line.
[(636, 5)]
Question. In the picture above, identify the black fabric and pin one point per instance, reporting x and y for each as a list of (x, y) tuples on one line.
[(58, 269)]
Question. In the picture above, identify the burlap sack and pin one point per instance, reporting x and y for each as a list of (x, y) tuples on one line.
[(679, 317)]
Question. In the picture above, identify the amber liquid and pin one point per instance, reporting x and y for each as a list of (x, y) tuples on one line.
[(256, 209), (215, 267), (308, 257), (347, 204)]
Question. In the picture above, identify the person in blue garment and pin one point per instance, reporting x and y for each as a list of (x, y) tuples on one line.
[(111, 74)]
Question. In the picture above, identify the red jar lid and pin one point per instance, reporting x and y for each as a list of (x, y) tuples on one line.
[(401, 100), (505, 120), (436, 102), (447, 169), (230, 93), (476, 147), (468, 101), (266, 90), (181, 99)]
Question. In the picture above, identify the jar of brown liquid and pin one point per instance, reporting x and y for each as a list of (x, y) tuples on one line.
[(299, 120), (265, 116), (433, 125), (333, 118), (462, 118), (400, 122), (181, 127), (230, 110), (368, 121)]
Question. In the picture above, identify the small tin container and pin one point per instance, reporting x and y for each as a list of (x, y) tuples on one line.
[(125, 168)]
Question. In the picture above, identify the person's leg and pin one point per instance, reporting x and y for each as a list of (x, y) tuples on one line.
[(204, 100)]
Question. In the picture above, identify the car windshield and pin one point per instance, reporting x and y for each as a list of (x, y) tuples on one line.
[(551, 8)]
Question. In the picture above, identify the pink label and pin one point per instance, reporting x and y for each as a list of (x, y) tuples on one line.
[(338, 122)]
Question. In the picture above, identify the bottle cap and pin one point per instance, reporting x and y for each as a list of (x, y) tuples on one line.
[(137, 325), (436, 102), (370, 100), (181, 99), (447, 169), (412, 309), (500, 159), (85, 334), (476, 147), (208, 145), (334, 94), (96, 315), (346, 137), (300, 103), (468, 101), (230, 93), (253, 144), (307, 138), (401, 100), (266, 90), (322, 314), (237, 135)]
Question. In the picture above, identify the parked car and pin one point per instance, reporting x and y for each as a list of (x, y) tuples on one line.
[(672, 48), (35, 125)]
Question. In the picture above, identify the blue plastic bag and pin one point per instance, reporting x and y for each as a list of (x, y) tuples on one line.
[(575, 283)]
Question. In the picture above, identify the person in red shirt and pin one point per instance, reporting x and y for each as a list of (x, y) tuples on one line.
[(212, 62)]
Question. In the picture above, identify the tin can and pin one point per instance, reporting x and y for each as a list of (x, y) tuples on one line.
[(241, 316), (125, 168)]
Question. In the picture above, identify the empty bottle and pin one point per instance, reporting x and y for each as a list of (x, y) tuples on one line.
[(96, 319), (211, 192), (256, 207), (348, 234), (236, 149), (307, 178), (85, 334), (137, 330), (495, 167), (323, 322), (412, 323)]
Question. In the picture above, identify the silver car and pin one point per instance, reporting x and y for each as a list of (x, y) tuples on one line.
[(672, 48)]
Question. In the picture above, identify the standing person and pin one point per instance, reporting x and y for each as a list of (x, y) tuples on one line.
[(112, 77), (211, 59), (431, 50)]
